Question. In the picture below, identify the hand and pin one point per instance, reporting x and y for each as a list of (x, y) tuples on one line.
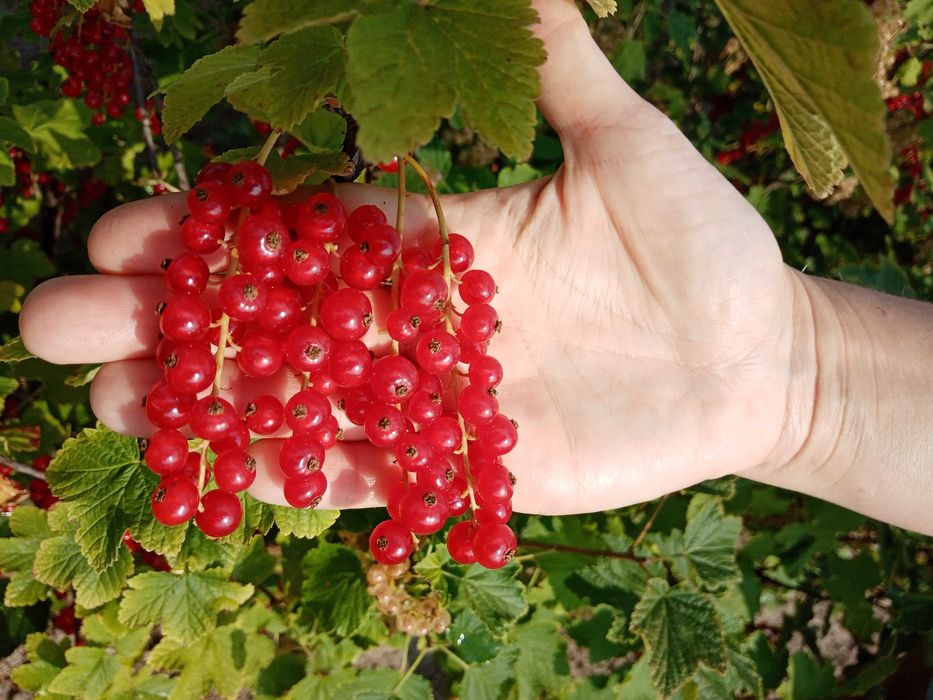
[(648, 319)]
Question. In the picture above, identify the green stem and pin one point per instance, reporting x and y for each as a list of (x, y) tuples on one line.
[(411, 670), (267, 147), (463, 664), (581, 550), (648, 524)]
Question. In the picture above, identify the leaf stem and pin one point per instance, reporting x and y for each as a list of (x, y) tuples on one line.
[(463, 664), (586, 551), (648, 524), (267, 147), (411, 670)]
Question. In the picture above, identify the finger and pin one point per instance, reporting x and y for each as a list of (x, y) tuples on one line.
[(104, 318), (118, 390), (359, 475), (135, 238), (580, 90)]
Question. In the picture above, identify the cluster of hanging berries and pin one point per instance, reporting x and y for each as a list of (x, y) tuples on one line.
[(94, 52), (292, 298), (412, 615)]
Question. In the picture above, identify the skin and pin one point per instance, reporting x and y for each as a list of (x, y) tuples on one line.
[(653, 338)]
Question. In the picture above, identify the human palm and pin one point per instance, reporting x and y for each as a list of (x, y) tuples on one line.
[(646, 311)]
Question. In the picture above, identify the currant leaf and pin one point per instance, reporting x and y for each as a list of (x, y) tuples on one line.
[(706, 551), (202, 86), (493, 595), (57, 129), (306, 523), (89, 673), (485, 681), (60, 564), (265, 19), (334, 589), (819, 64)]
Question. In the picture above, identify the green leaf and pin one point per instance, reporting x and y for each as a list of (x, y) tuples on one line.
[(707, 549), (264, 19), (334, 589), (542, 656), (184, 604), (321, 129), (920, 14), (485, 681), (471, 639), (493, 594), (680, 628), (100, 474), (7, 171), (59, 563), (30, 528), (305, 168), (90, 671), (158, 9), (303, 522), (24, 590), (82, 6), (282, 95), (12, 134), (818, 61), (227, 659), (202, 86), (410, 67), (806, 680), (629, 60), (431, 566), (594, 633), (57, 129)]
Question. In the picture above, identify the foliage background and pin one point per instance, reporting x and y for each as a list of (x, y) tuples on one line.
[(728, 589)]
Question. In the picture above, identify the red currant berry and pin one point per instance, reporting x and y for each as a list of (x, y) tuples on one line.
[(346, 314), (250, 183), (189, 368), (305, 492), (479, 323), (358, 272), (186, 273), (214, 172), (361, 218), (381, 244), (485, 372), (413, 451), (166, 408), (498, 436), (237, 439), (242, 297), (477, 406), (300, 456), (461, 253), (492, 512), (437, 352), (437, 474), (308, 348), (328, 433), (384, 425), (444, 434), (460, 542), (260, 355), (263, 241), (494, 483), (306, 263), (390, 543), (174, 501), (220, 514), (477, 287), (457, 503), (402, 325), (166, 452), (424, 293), (494, 545), (416, 259), (394, 379), (212, 418), (184, 319), (321, 218), (350, 364), (264, 414), (234, 470), (209, 201), (424, 406), (423, 510), (201, 236), (356, 404), (470, 352), (306, 411)]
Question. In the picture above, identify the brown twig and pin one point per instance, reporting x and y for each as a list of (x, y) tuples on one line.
[(586, 551), (22, 468)]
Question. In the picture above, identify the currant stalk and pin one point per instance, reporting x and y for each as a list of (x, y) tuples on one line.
[(399, 222)]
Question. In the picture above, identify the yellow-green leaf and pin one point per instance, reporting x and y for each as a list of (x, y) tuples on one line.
[(158, 9), (818, 61)]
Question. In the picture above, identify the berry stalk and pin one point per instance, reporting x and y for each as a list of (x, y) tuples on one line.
[(399, 222)]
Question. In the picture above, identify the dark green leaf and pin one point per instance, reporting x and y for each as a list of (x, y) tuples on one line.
[(471, 639), (264, 19), (493, 595), (484, 681), (334, 590)]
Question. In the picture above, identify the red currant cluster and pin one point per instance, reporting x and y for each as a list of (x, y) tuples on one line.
[(292, 298), (95, 53)]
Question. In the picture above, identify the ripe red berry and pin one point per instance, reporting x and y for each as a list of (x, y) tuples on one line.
[(394, 379), (479, 323), (308, 348), (175, 501), (260, 355), (263, 241), (494, 545), (250, 183), (380, 244), (424, 293), (214, 172), (184, 318), (362, 217), (300, 456), (492, 512), (237, 438), (390, 543), (494, 483), (477, 287), (212, 418), (321, 218), (328, 433), (189, 368), (461, 253), (437, 352), (209, 201), (166, 408), (498, 436), (476, 405), (220, 514), (424, 406), (346, 314), (357, 402), (264, 414), (413, 451), (460, 542), (282, 311), (485, 372), (350, 364), (306, 411), (444, 435), (457, 503), (234, 470), (423, 510), (186, 273), (242, 297), (201, 236), (402, 325), (166, 452), (307, 491), (384, 425), (306, 263)]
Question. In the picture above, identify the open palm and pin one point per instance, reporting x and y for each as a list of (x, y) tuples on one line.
[(647, 315)]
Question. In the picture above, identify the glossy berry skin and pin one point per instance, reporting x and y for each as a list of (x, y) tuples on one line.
[(166, 452), (350, 364), (476, 405), (485, 372), (166, 408), (444, 435), (264, 414), (220, 515), (250, 183), (306, 411), (308, 348), (498, 436), (381, 244), (384, 425), (479, 323), (328, 433), (358, 272), (321, 218), (470, 352), (282, 312), (423, 510), (438, 474), (394, 379), (300, 456), (424, 293), (201, 236), (184, 319), (175, 501), (242, 297), (494, 483), (362, 217), (305, 492), (424, 406), (461, 253), (346, 314), (214, 172), (460, 542), (437, 352), (357, 402), (187, 273), (212, 418), (457, 503), (402, 325), (390, 543), (263, 241), (477, 287), (493, 513), (210, 202), (306, 263), (416, 259), (494, 545), (413, 451), (234, 470), (237, 438), (189, 368), (260, 355)]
